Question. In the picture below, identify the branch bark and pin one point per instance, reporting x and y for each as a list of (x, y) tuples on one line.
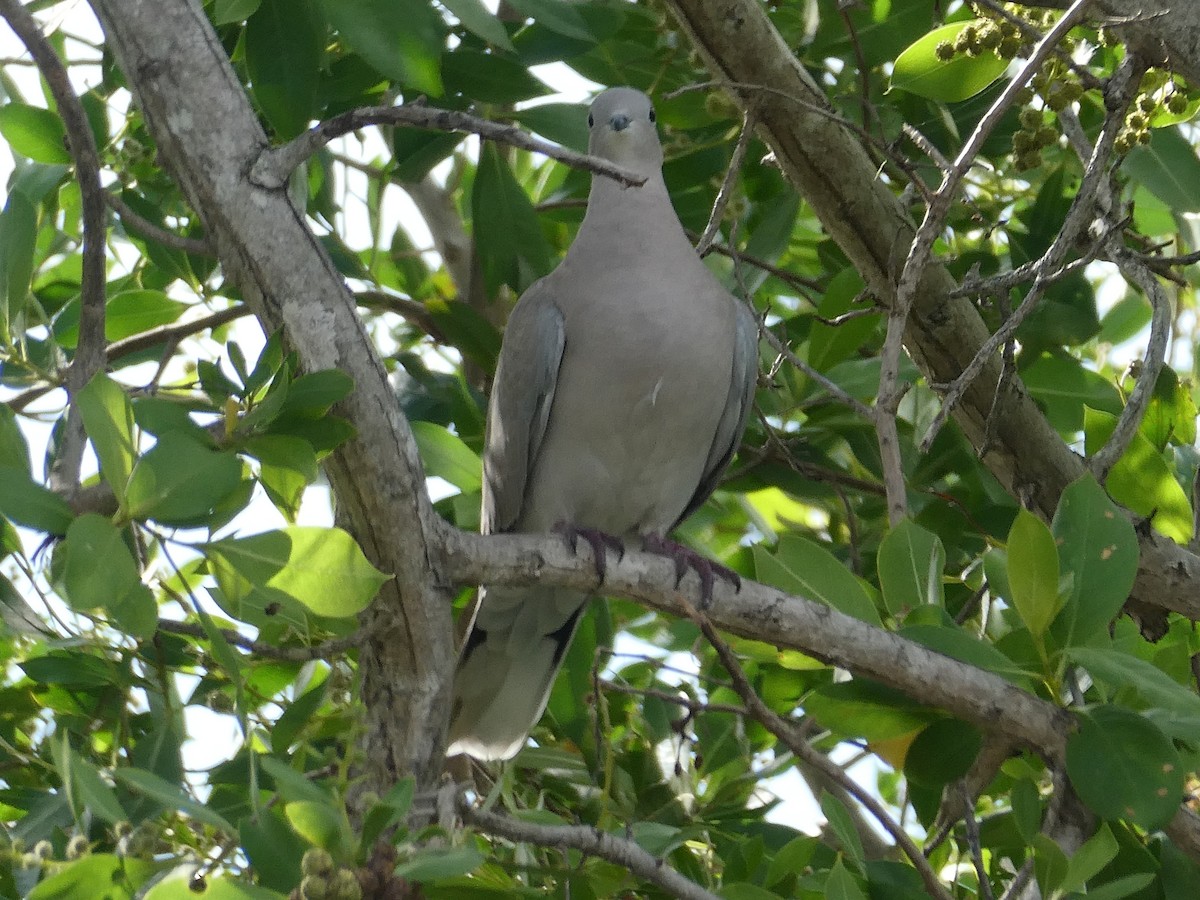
[(208, 137), (828, 165)]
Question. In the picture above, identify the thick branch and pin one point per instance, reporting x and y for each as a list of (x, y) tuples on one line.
[(766, 614), (208, 137)]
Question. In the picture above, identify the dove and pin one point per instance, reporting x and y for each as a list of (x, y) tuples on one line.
[(623, 386)]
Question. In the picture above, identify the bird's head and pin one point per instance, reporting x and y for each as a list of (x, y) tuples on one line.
[(622, 130)]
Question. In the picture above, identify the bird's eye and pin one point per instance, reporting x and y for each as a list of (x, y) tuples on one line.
[(591, 121), (653, 117)]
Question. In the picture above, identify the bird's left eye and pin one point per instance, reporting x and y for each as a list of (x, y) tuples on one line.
[(653, 117)]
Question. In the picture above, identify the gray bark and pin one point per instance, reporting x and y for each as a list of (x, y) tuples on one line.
[(209, 138)]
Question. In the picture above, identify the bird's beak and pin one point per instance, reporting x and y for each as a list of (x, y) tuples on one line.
[(619, 122)]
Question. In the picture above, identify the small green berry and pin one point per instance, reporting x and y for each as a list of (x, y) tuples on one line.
[(1124, 142), (1046, 136), (43, 850), (944, 51), (316, 861), (78, 847), (1024, 141), (1177, 104), (1009, 47), (314, 887), (1026, 161), (1030, 118), (1024, 96), (989, 38), (1137, 121), (1146, 103), (345, 886), (1142, 136)]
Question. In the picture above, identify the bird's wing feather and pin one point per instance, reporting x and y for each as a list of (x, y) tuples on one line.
[(520, 404), (738, 403)]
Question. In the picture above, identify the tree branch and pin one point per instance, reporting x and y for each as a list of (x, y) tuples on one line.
[(593, 842), (89, 352), (324, 650), (273, 167), (147, 229)]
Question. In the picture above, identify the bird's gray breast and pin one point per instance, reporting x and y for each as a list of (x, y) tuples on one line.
[(642, 383)]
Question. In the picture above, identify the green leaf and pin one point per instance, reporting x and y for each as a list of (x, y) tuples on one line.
[(35, 132), (477, 19), (181, 481), (284, 42), (290, 784), (965, 647), (216, 887), (842, 824), (919, 71), (27, 503), (432, 865), (1063, 387), (942, 753), (1116, 668), (321, 568), (489, 77), (319, 824), (1170, 417), (1125, 320), (108, 418), (274, 849), (312, 395), (563, 123), (125, 314), (122, 877), (14, 449), (18, 242), (417, 152), (1169, 168), (1141, 480), (1033, 572), (288, 466), (829, 345), (807, 569), (226, 12), (401, 39), (910, 564), (561, 18), (446, 456), (101, 573), (1027, 809), (1123, 767), (170, 797), (1087, 862), (1097, 545), (868, 710), (841, 884), (508, 236), (95, 792)]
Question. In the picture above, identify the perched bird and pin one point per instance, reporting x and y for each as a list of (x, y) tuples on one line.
[(624, 382)]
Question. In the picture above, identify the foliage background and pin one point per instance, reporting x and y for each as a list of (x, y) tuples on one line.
[(137, 593)]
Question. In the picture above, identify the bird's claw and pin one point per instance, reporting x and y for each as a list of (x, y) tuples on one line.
[(686, 558), (599, 541)]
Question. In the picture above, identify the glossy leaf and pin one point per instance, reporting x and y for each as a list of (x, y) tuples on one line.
[(108, 418), (918, 69), (170, 796), (126, 314), (1116, 668), (18, 239), (1033, 572), (122, 877), (215, 888), (35, 132), (446, 456), (943, 752), (1097, 545), (101, 573), (27, 503), (402, 39), (478, 19), (509, 238), (1123, 767), (179, 481), (284, 44), (1141, 480), (321, 568), (1170, 168), (910, 563), (806, 569)]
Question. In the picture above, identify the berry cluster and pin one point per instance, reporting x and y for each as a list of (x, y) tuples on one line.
[(1136, 130), (324, 880)]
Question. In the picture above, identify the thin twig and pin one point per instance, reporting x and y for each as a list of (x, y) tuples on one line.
[(326, 650), (921, 252), (971, 825), (1131, 416), (89, 352), (274, 166), (834, 390), (147, 229), (785, 732), (728, 185), (692, 705), (592, 841)]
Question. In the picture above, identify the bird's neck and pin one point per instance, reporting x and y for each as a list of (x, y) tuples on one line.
[(630, 214)]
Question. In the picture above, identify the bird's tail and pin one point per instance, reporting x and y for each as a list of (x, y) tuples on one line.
[(507, 666)]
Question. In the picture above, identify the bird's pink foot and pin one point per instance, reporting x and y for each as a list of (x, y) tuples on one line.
[(686, 558), (599, 541)]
